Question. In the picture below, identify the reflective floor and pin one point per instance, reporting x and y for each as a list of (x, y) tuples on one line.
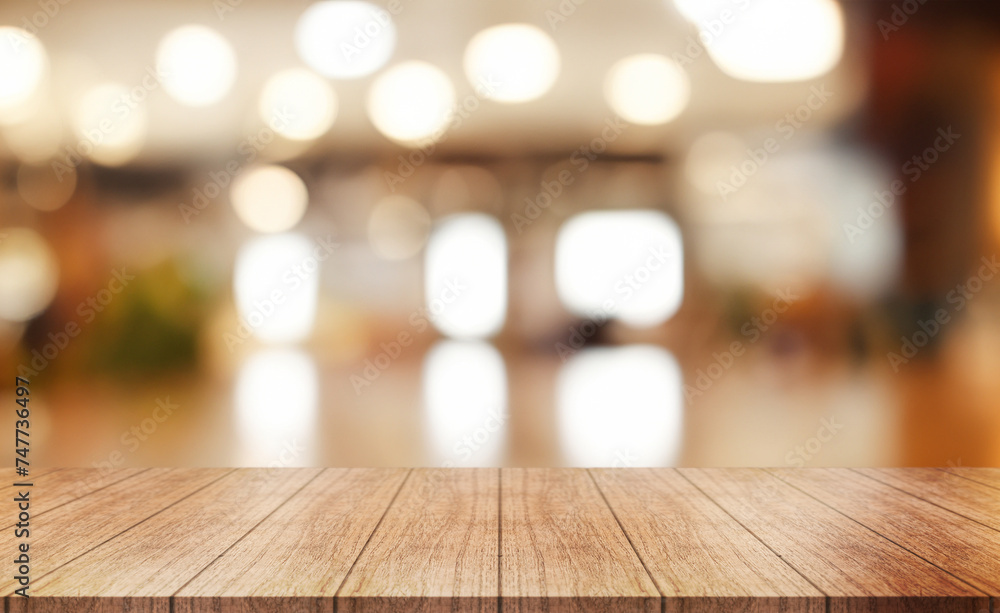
[(467, 404)]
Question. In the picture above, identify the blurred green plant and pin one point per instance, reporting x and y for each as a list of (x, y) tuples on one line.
[(153, 326)]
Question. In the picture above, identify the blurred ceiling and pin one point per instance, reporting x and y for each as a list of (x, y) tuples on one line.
[(113, 40)]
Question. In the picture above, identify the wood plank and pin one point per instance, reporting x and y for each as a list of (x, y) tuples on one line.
[(987, 476), (435, 550), (9, 475), (138, 570), (960, 546), (858, 569), (563, 550), (700, 558), (968, 498), (315, 541), (55, 488), (297, 558), (78, 526)]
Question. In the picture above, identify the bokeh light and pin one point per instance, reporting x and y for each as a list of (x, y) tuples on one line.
[(465, 276), (269, 198), (198, 65), (298, 104), (780, 40), (29, 274), (647, 89), (398, 227), (512, 62), (23, 62), (111, 124), (345, 39), (411, 102)]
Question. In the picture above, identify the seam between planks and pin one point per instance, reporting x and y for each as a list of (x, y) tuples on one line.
[(876, 532), (908, 493), (336, 594), (499, 540), (968, 478), (132, 526), (132, 476), (246, 534), (656, 584), (826, 596)]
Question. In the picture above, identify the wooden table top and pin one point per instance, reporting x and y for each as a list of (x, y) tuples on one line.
[(176, 540)]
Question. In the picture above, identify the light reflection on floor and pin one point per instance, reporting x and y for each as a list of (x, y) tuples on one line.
[(447, 408), (465, 404), (276, 406), (620, 406)]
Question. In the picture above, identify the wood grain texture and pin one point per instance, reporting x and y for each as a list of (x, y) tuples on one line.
[(52, 488), (525, 540), (987, 476), (563, 550), (964, 548), (8, 476), (297, 558), (435, 550), (148, 563), (858, 569), (78, 526), (971, 499), (700, 558)]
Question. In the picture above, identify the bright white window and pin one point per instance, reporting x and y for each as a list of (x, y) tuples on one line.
[(465, 277), (627, 265), (276, 285)]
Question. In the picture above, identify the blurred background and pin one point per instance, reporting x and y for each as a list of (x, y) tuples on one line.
[(552, 233)]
